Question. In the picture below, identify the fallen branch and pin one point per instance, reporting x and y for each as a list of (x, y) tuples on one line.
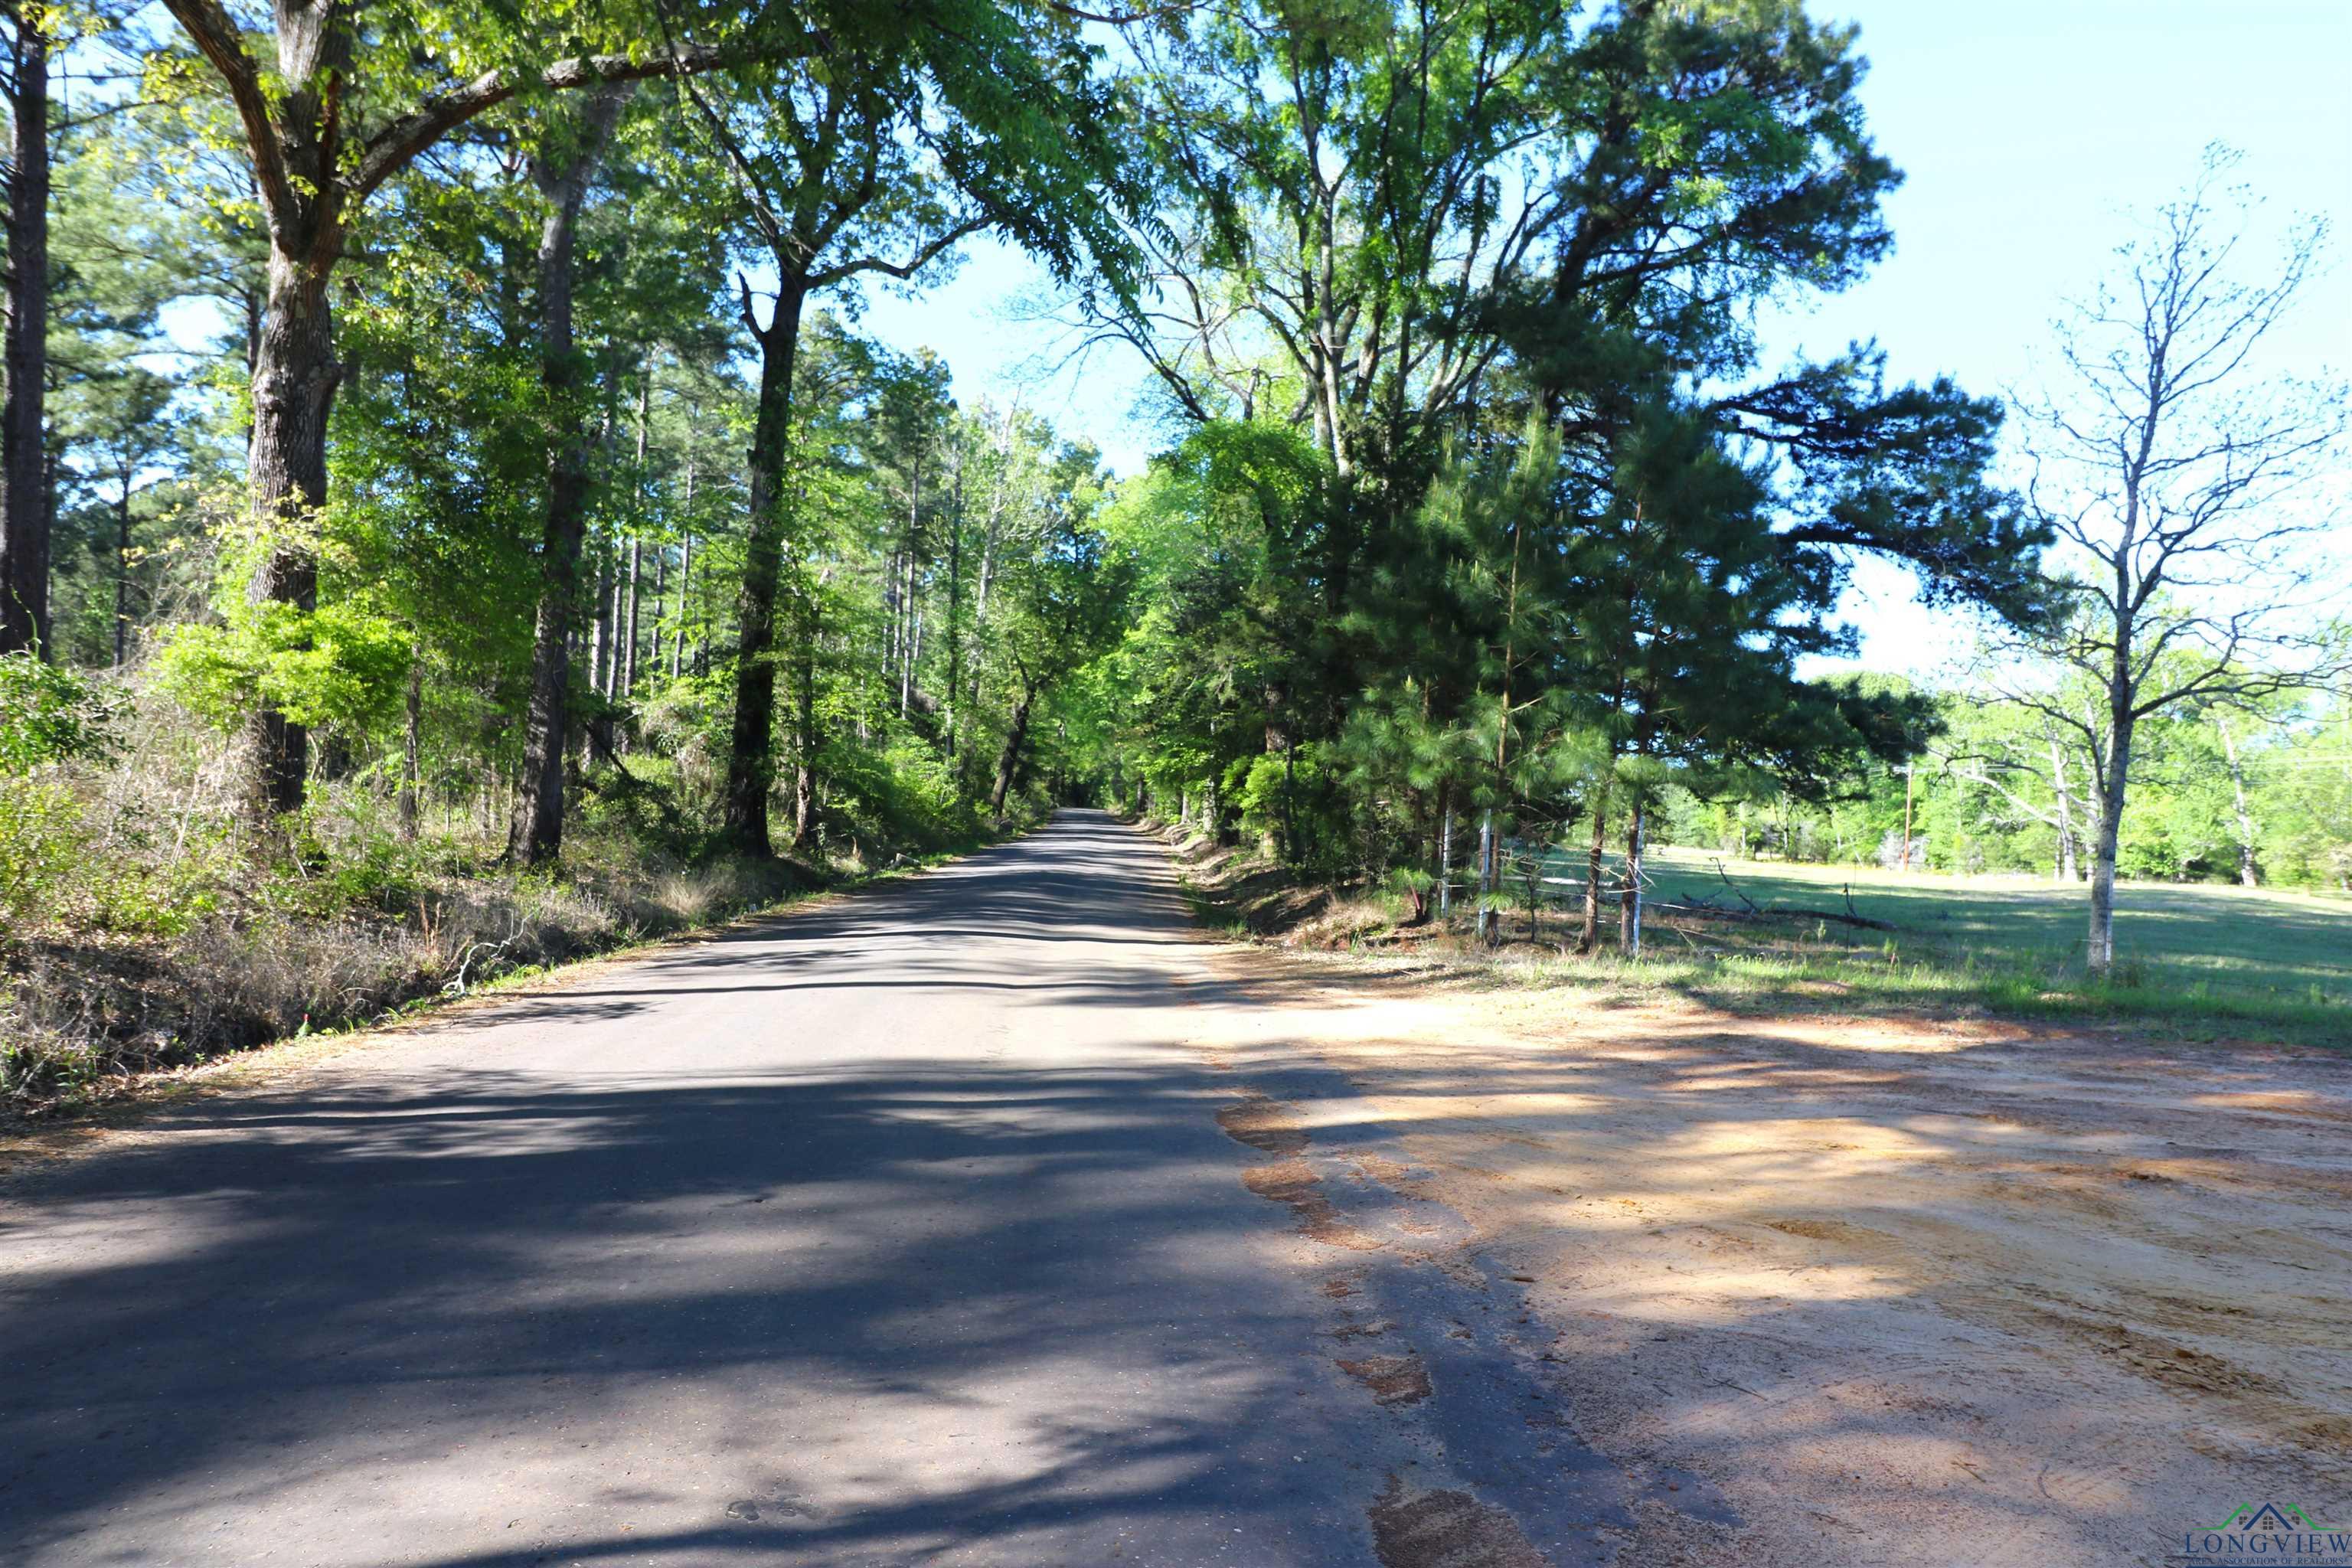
[(1864, 921), (1717, 912), (1733, 886), (465, 962)]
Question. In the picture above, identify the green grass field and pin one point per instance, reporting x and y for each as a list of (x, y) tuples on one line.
[(2253, 940), (2210, 961)]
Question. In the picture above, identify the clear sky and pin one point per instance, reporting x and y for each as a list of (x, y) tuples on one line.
[(2029, 132)]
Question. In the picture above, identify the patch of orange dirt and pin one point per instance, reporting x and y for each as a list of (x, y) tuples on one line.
[(1447, 1528), (1899, 1289), (1394, 1380)]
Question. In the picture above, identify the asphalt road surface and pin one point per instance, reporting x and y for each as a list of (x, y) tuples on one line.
[(900, 1231)]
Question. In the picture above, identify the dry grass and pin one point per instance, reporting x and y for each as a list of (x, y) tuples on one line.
[(157, 932), (83, 1012)]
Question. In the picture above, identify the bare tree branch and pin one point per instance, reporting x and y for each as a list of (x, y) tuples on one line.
[(2186, 487)]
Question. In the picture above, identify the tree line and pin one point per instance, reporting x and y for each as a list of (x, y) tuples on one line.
[(539, 462), (2257, 795), (538, 419), (1495, 521)]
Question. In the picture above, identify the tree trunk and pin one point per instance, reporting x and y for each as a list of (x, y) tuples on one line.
[(906, 691), (596, 738), (955, 613), (123, 573), (608, 621), (684, 584), (294, 376), (751, 756), (294, 381), (2249, 874), (661, 611), (536, 834), (411, 723), (2099, 951), (1009, 758), (2068, 870), (890, 632), (1291, 853), (1488, 925), (627, 684), (805, 740), (600, 594), (910, 643), (628, 680), (1629, 907), (1589, 937), (1445, 850), (24, 479)]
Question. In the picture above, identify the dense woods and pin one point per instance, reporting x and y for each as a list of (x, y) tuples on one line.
[(454, 518)]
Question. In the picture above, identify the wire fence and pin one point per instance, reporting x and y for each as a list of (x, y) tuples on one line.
[(1533, 877), (1545, 873), (1536, 877)]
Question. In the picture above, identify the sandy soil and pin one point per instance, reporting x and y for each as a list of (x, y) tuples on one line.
[(1897, 1290)]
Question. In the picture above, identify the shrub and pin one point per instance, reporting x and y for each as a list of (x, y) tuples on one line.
[(1287, 797), (338, 664), (42, 843), (904, 795), (51, 714)]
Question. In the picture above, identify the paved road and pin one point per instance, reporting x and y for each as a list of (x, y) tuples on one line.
[(897, 1232)]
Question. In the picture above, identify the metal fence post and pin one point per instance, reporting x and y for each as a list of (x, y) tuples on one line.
[(1485, 874), (1445, 863)]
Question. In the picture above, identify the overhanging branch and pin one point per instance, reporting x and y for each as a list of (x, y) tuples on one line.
[(221, 43), (395, 147)]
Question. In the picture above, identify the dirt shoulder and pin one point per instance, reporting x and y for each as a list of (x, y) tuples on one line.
[(1893, 1289)]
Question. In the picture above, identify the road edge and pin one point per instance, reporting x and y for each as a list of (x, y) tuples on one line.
[(29, 1144)]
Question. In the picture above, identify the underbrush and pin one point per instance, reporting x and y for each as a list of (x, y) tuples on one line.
[(143, 927), (1747, 965), (293, 953)]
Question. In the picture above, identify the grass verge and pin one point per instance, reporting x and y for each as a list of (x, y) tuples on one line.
[(1740, 962)]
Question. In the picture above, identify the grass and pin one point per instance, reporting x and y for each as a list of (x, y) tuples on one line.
[(2249, 943), (2194, 962), (121, 1095), (1823, 981)]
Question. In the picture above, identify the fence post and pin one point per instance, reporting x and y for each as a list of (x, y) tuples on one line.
[(1485, 874), (1633, 876), (1445, 863)]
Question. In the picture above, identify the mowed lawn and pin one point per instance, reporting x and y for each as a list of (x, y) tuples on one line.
[(2285, 945)]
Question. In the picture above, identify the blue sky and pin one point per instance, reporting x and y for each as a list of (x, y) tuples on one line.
[(2028, 133)]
